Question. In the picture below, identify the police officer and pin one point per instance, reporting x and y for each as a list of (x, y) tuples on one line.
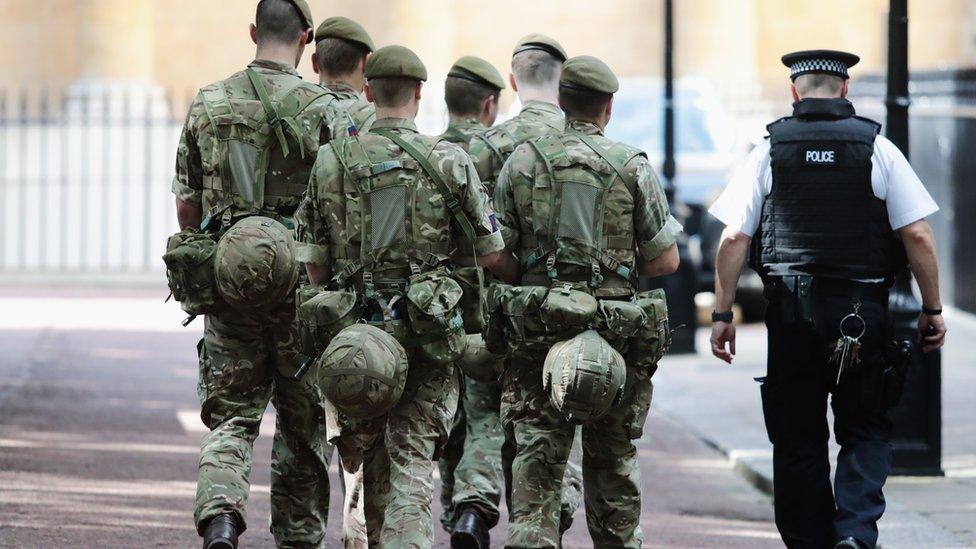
[(833, 208), (245, 360), (341, 48), (383, 212), (469, 464), (612, 223)]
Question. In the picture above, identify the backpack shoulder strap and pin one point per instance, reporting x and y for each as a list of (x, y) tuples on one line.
[(270, 110), (603, 153), (450, 197)]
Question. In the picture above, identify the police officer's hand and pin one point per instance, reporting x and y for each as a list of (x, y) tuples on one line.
[(931, 332), (723, 333)]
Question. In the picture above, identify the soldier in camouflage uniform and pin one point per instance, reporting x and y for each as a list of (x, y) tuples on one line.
[(536, 62), (471, 91), (348, 223), (246, 361), (341, 48), (637, 235)]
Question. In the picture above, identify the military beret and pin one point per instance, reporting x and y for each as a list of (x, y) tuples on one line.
[(540, 42), (589, 73), (346, 29), (820, 62), (477, 70), (395, 61), (306, 13)]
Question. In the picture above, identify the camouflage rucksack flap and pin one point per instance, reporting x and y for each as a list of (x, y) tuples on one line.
[(651, 342), (190, 258)]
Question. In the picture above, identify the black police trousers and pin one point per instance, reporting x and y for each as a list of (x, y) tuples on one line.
[(809, 513)]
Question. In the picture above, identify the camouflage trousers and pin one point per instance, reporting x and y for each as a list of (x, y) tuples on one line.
[(398, 454), (474, 466), (542, 442), (245, 363)]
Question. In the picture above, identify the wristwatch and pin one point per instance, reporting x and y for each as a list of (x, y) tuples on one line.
[(722, 317), (932, 312)]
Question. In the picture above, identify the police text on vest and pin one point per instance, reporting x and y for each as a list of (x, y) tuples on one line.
[(821, 157)]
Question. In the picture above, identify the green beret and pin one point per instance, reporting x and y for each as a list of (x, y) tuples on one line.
[(477, 70), (346, 29), (540, 42), (589, 73), (306, 13), (395, 61)]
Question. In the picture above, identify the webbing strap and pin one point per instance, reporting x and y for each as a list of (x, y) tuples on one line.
[(491, 146), (449, 197), (588, 141), (270, 111)]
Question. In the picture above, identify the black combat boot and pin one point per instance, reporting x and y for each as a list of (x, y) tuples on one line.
[(221, 532), (470, 531)]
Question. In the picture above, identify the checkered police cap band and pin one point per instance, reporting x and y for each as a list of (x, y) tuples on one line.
[(829, 66)]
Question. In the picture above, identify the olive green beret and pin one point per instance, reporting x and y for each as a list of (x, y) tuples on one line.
[(589, 73), (394, 61), (346, 29), (540, 42), (306, 13), (477, 70)]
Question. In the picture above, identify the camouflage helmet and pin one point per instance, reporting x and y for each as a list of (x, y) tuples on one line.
[(362, 372), (477, 363), (584, 376), (255, 265)]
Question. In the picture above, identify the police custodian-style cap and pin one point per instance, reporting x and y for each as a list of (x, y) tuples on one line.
[(820, 62), (306, 13), (395, 61), (477, 70), (346, 29), (590, 74), (540, 42)]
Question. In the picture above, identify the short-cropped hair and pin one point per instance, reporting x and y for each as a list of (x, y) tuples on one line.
[(278, 21), (536, 68), (338, 57), (582, 104), (807, 84), (392, 92), (464, 97)]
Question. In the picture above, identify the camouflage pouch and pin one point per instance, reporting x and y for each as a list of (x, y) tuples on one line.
[(521, 308), (495, 323), (433, 305), (321, 315), (567, 310), (190, 263), (472, 282), (619, 321), (653, 339)]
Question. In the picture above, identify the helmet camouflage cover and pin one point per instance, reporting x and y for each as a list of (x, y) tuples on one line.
[(255, 265), (584, 376), (362, 372)]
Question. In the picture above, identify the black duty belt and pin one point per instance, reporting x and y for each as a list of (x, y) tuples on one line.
[(778, 286)]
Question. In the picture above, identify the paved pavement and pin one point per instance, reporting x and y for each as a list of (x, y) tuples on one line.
[(721, 404), (99, 438)]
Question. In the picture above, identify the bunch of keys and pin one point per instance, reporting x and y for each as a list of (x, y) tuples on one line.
[(847, 350)]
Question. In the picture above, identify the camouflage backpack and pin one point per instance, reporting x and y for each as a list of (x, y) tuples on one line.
[(255, 138), (405, 243), (580, 206)]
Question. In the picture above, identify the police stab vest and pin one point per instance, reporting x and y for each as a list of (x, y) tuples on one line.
[(822, 217)]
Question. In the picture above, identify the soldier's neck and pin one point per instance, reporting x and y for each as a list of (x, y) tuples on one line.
[(461, 119), (408, 112), (279, 53), (539, 94), (347, 80)]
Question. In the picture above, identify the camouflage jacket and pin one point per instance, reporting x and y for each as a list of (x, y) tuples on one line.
[(540, 217), (202, 173), (490, 150), (350, 111), (370, 205), (461, 133)]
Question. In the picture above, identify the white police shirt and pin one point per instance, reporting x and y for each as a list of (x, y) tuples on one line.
[(892, 179)]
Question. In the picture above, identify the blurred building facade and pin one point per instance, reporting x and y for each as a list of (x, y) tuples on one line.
[(184, 44)]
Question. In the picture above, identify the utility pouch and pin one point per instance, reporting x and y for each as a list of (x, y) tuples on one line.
[(190, 263), (798, 300), (321, 315), (472, 282), (433, 305), (619, 321), (652, 340), (567, 311), (496, 341), (898, 358)]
